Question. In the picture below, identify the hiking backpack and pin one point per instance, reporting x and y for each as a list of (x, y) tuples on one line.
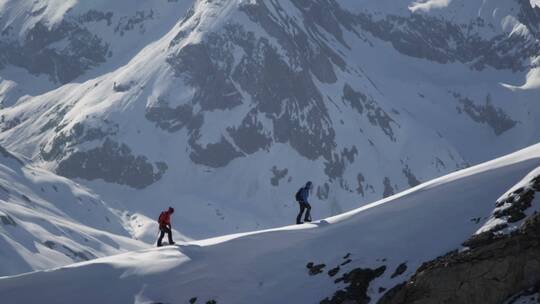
[(298, 195), (161, 218)]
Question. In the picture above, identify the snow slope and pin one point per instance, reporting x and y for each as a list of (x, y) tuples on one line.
[(48, 221), (270, 266)]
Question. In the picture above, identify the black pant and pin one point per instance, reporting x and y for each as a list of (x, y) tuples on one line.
[(307, 217), (163, 230)]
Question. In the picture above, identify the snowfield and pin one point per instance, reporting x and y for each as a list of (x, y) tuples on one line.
[(269, 266)]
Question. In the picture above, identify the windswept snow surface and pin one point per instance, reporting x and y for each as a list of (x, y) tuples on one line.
[(270, 266)]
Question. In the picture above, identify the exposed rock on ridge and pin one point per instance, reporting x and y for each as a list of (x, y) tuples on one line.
[(491, 273)]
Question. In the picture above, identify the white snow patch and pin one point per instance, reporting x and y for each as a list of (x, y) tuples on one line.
[(428, 5)]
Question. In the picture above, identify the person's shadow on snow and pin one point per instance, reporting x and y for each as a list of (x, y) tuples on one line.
[(321, 223)]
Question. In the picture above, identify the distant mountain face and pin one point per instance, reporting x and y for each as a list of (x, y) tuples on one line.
[(55, 43), (225, 108)]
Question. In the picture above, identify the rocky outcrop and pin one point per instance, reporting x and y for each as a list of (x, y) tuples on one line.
[(39, 51), (513, 207), (278, 175), (358, 281), (113, 162), (492, 271), (444, 41), (486, 113)]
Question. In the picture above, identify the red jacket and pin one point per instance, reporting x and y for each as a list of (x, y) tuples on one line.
[(164, 219)]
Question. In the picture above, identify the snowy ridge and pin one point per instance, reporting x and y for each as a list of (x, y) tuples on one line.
[(270, 266)]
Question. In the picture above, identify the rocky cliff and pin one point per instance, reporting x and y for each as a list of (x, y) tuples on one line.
[(494, 268)]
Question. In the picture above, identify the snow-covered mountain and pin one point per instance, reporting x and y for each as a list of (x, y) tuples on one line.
[(45, 44), (48, 221), (223, 109), (351, 258), (113, 110)]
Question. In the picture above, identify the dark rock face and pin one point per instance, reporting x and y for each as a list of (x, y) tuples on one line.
[(96, 16), (126, 24), (358, 280), (278, 175), (332, 272), (399, 270), (388, 189), (486, 114), (65, 142), (518, 203), (490, 273), (112, 162), (375, 114), (312, 55), (174, 119), (513, 207), (361, 179), (315, 269), (440, 40), (411, 178), (36, 54), (214, 155), (206, 67), (250, 136)]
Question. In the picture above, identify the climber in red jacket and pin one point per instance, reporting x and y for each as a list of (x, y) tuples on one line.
[(165, 226)]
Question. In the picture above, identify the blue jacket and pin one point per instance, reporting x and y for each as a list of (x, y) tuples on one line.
[(304, 193)]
